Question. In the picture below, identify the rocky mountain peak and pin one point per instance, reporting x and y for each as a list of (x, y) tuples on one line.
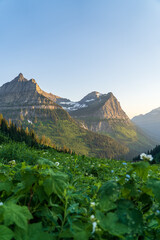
[(93, 95), (21, 92), (20, 78), (33, 80)]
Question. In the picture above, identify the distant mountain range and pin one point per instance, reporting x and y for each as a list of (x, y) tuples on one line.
[(102, 113), (95, 126), (149, 123)]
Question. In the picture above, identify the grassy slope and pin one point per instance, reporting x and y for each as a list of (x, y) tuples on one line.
[(69, 134), (126, 133), (64, 131)]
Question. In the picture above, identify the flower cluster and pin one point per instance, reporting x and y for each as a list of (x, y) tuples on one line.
[(94, 223), (92, 204), (146, 157), (12, 162)]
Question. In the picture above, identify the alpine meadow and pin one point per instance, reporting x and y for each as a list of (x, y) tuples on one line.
[(79, 120)]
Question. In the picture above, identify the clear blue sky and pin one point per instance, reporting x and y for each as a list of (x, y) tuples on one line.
[(73, 47)]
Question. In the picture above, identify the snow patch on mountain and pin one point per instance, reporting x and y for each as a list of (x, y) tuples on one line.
[(90, 100), (68, 103), (73, 106)]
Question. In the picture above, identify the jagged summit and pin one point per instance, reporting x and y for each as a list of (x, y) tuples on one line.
[(20, 78), (93, 94), (23, 92), (95, 105), (96, 96)]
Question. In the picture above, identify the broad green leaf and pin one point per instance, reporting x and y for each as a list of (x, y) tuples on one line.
[(130, 216), (108, 194), (56, 183), (36, 232), (111, 224), (141, 169), (14, 214), (7, 186), (5, 233), (154, 185), (81, 231)]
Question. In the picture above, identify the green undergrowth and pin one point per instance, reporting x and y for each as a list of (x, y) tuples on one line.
[(49, 195)]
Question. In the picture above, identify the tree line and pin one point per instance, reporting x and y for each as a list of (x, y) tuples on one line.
[(19, 134)]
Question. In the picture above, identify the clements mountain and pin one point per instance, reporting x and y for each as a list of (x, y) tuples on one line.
[(95, 126)]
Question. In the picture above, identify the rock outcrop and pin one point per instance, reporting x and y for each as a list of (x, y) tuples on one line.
[(24, 93)]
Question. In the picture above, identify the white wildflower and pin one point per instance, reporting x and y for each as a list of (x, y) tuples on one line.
[(144, 156), (150, 158), (12, 162), (57, 164), (92, 217), (92, 204), (94, 224)]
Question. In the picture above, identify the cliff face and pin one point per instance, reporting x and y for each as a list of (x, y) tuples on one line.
[(97, 111), (23, 93), (102, 113)]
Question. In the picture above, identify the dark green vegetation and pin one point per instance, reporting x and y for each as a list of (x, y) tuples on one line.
[(64, 132), (155, 152), (49, 195)]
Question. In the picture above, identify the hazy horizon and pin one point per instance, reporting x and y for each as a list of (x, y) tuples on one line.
[(72, 48)]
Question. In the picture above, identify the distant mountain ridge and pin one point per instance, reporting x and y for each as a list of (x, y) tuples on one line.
[(149, 123), (102, 113)]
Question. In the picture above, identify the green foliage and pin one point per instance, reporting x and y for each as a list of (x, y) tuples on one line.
[(18, 151), (45, 194), (63, 133), (155, 152)]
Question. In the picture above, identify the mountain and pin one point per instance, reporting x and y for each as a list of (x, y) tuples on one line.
[(150, 123), (24, 102), (23, 93), (103, 114)]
